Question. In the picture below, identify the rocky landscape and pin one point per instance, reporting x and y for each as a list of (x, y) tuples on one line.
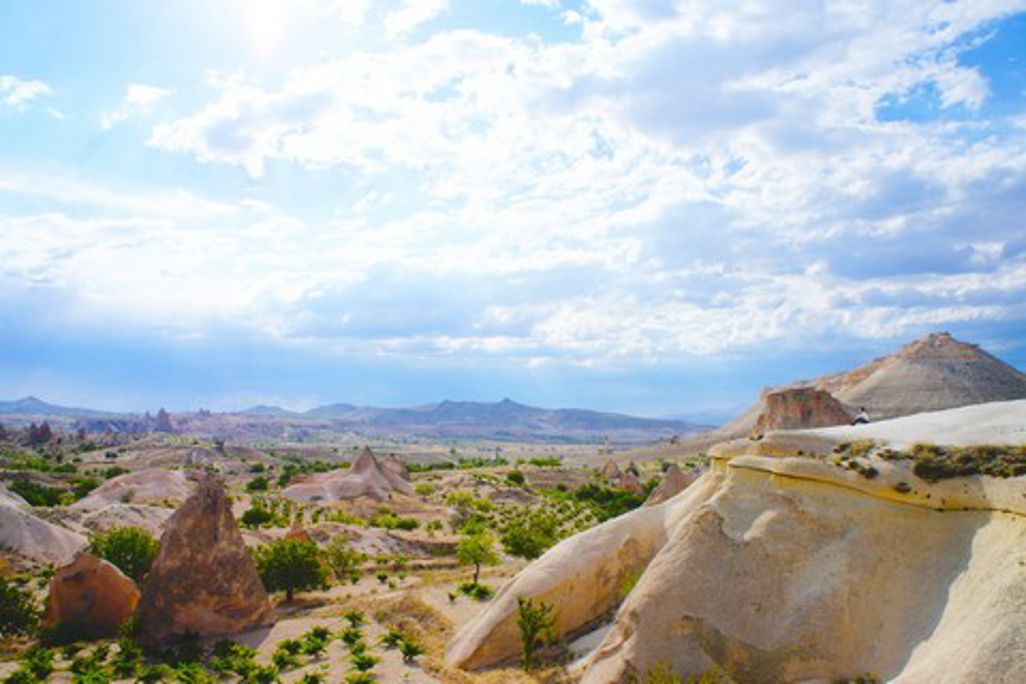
[(799, 548)]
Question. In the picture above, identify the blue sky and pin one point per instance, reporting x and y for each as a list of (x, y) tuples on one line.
[(639, 205)]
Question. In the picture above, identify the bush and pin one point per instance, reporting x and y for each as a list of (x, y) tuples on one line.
[(344, 561), (536, 624), (256, 516), (515, 477), (476, 591), (18, 613), (36, 494), (289, 565), (257, 484), (131, 549), (530, 535)]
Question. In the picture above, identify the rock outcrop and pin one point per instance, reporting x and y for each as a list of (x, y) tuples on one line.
[(799, 408), (367, 477), (774, 567), (934, 373), (150, 486), (629, 483), (395, 465), (91, 597), (27, 535), (610, 470), (673, 483), (203, 580)]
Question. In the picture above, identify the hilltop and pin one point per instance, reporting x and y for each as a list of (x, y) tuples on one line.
[(930, 374)]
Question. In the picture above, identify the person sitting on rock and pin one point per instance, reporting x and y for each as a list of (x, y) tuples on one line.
[(862, 418)]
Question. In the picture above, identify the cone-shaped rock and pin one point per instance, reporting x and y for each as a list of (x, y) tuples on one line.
[(610, 470), (673, 483), (367, 477), (91, 596), (629, 483), (394, 464), (203, 581)]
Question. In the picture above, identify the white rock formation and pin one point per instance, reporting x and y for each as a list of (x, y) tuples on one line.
[(777, 568)]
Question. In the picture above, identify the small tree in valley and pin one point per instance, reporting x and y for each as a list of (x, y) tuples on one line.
[(291, 564), (477, 549)]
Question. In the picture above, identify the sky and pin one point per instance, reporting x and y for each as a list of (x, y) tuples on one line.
[(646, 206)]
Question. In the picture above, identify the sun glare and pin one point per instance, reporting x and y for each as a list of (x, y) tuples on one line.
[(266, 23)]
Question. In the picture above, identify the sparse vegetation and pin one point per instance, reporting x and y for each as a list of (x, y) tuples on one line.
[(131, 549), (536, 623), (291, 565)]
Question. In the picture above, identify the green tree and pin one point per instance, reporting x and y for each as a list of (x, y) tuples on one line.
[(536, 623), (291, 564), (131, 549), (343, 560), (256, 516), (18, 613), (530, 535), (477, 550)]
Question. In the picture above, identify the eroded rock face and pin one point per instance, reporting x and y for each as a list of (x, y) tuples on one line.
[(785, 568), (629, 483), (610, 470), (673, 483), (367, 477), (28, 535), (203, 581), (91, 596), (797, 409)]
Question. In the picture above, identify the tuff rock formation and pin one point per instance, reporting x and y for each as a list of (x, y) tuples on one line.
[(150, 486), (780, 567), (91, 597), (673, 483), (395, 465), (26, 534), (367, 477), (934, 373), (629, 483), (610, 470), (799, 408), (203, 580)]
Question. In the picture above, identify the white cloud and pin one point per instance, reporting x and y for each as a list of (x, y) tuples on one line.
[(674, 183), (411, 14), (18, 93), (139, 100)]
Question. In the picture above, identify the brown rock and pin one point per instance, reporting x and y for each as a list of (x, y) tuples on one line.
[(395, 465), (297, 532), (629, 483), (797, 409), (91, 595), (203, 581), (610, 470), (673, 483)]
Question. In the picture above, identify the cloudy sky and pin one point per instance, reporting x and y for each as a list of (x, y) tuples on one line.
[(652, 206)]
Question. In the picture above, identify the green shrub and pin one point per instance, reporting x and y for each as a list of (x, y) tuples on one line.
[(36, 494), (536, 623), (410, 649), (530, 535), (131, 549), (256, 516), (289, 565), (257, 484), (18, 614), (343, 560)]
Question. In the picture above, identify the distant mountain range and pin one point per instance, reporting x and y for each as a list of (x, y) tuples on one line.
[(504, 419)]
